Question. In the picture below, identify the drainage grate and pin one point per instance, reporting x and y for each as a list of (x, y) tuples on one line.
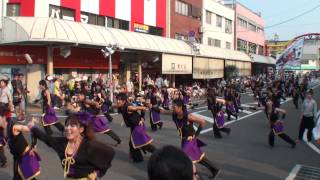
[(308, 173)]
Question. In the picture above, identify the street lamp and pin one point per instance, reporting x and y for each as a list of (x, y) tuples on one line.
[(30, 62), (108, 51)]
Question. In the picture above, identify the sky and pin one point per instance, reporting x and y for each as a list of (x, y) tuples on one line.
[(275, 11)]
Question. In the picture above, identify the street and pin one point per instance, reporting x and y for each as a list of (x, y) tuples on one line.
[(244, 154)]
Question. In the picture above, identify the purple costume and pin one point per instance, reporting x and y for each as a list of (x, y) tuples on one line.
[(189, 144), (26, 164)]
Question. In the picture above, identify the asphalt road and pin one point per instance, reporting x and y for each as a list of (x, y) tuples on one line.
[(244, 154)]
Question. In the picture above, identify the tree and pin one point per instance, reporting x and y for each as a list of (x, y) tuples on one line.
[(230, 71)]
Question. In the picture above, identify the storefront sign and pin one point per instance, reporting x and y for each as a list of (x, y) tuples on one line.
[(141, 28), (176, 64), (205, 68)]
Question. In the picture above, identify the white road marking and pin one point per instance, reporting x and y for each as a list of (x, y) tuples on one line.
[(311, 145), (293, 173), (208, 119)]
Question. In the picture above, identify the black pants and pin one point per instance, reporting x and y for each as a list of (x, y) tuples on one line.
[(295, 102), (114, 136), (108, 116), (58, 125), (229, 113), (208, 164), (3, 158), (136, 154), (306, 123), (57, 101), (283, 136)]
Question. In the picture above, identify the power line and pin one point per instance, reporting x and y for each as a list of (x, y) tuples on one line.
[(293, 18)]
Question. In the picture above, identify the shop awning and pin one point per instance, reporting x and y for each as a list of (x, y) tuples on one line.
[(220, 53), (50, 31), (262, 59)]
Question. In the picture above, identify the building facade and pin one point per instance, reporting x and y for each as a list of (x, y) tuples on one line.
[(276, 48), (217, 25), (145, 16), (185, 18), (249, 29)]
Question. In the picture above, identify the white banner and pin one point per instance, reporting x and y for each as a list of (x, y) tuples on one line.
[(205, 68), (292, 54), (176, 64)]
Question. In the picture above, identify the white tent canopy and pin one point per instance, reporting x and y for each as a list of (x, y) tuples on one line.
[(50, 30), (262, 59)]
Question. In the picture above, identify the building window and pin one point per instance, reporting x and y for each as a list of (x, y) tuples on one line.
[(68, 14), (13, 9), (252, 48), (180, 36), (214, 42), (228, 26), (252, 27), (183, 8), (117, 23), (156, 31), (208, 17), (260, 50), (219, 21), (94, 19), (228, 45), (242, 23), (260, 30), (242, 45)]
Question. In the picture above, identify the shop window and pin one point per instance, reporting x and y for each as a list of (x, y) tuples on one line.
[(219, 21), (13, 9), (208, 17), (228, 28)]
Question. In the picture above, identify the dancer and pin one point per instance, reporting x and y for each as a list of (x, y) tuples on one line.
[(25, 159), (49, 117), (100, 123), (139, 139), (230, 107), (215, 106), (81, 156), (190, 144), (155, 120), (276, 125)]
